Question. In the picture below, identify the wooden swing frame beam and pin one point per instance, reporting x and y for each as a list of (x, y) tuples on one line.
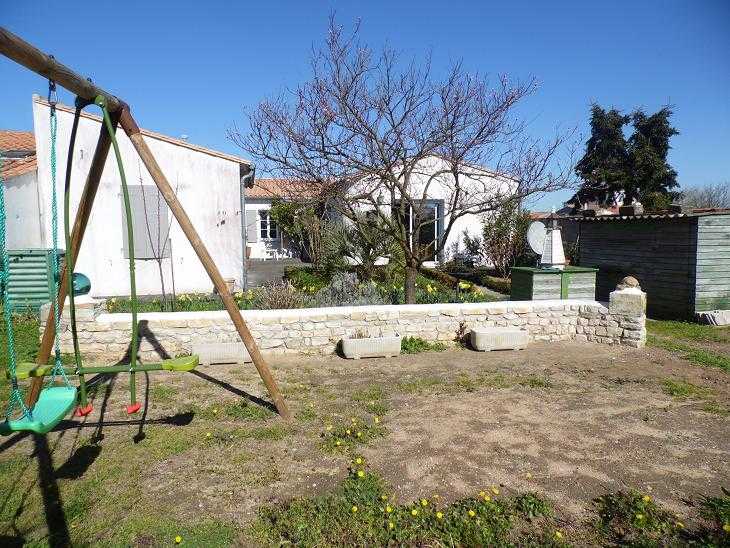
[(15, 48)]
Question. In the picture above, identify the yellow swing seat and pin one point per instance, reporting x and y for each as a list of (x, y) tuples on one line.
[(53, 404), (184, 363)]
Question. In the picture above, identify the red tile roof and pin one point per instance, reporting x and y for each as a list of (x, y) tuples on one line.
[(16, 167), (282, 188), (17, 142)]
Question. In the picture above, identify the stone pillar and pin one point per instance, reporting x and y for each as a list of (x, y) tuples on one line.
[(627, 306)]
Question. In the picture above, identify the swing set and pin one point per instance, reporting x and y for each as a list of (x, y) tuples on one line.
[(48, 403)]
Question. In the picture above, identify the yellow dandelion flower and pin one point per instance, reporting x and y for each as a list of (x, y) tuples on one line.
[(348, 432), (558, 535), (482, 494), (495, 490), (376, 420), (424, 502), (383, 497), (388, 509), (358, 460), (472, 513), (359, 434), (680, 524), (354, 509), (178, 539), (208, 434), (338, 443), (487, 498), (391, 525), (439, 515), (726, 527), (639, 517), (414, 512), (360, 473), (646, 498)]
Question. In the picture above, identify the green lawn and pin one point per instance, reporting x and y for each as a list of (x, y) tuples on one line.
[(692, 342)]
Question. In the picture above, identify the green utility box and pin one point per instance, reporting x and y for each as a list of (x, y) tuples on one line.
[(31, 278), (537, 284)]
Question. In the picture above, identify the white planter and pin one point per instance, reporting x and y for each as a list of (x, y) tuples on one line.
[(372, 347), (221, 352), (485, 339)]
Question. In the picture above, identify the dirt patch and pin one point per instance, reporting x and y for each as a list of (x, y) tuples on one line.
[(572, 421)]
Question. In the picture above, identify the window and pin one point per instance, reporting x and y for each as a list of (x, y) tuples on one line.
[(150, 223), (267, 225), (431, 223)]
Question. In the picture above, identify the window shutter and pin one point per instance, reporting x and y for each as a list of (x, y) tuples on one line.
[(147, 227), (252, 226)]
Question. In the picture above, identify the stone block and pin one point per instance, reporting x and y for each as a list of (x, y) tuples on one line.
[(628, 302)]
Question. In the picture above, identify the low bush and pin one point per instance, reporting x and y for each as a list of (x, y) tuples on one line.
[(307, 279), (414, 345), (278, 295), (344, 289)]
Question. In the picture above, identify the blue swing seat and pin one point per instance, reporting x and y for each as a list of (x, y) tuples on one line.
[(53, 404)]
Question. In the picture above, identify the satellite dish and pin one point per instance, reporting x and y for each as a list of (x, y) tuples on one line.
[(536, 233)]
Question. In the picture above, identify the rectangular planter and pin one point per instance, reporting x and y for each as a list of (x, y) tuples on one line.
[(499, 338), (372, 347), (221, 352)]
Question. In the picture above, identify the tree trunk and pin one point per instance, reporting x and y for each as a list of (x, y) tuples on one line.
[(411, 273)]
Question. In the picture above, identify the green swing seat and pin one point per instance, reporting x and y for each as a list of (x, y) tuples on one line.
[(53, 404)]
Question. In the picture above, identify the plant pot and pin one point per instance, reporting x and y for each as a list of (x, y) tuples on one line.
[(371, 347)]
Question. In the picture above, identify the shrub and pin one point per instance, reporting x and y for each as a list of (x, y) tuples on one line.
[(278, 295), (345, 290), (307, 279)]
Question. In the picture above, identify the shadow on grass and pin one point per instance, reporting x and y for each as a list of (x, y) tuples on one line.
[(58, 534), (237, 391)]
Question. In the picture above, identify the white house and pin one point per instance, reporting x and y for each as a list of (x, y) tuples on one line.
[(207, 182), (430, 180)]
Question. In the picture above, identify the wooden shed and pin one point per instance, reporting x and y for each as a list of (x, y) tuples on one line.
[(682, 260)]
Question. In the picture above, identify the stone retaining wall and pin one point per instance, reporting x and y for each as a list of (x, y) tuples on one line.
[(318, 330)]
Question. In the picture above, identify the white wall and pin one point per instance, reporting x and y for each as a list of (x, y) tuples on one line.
[(24, 229), (207, 186)]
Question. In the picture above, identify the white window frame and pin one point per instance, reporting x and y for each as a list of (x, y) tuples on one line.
[(266, 223)]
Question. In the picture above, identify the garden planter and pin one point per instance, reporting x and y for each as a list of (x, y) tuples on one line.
[(371, 347), (485, 339)]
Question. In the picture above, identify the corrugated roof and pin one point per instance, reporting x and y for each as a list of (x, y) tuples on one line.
[(153, 135), (652, 216)]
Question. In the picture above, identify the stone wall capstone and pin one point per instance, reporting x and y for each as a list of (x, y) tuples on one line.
[(318, 330)]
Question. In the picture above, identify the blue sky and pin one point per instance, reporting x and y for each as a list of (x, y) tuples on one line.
[(190, 67)]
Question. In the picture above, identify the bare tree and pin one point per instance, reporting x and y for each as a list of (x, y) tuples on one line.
[(373, 133), (709, 196)]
